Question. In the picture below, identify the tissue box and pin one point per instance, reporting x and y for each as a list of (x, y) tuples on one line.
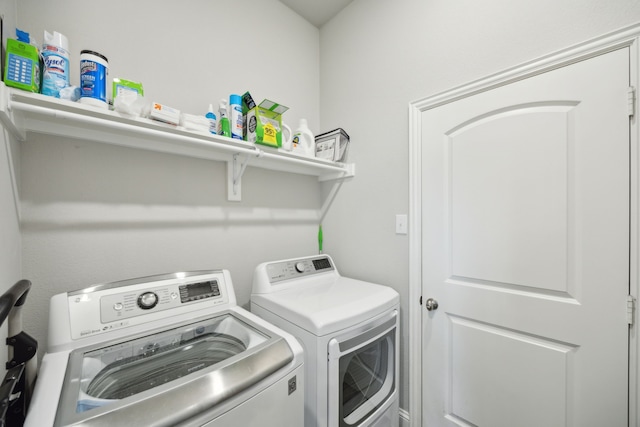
[(264, 123), (332, 145), (22, 66)]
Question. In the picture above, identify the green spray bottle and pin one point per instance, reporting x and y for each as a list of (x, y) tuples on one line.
[(223, 119)]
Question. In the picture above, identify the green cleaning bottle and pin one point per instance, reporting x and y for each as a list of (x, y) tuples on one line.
[(223, 120)]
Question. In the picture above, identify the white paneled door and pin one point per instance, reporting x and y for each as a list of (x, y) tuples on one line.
[(525, 250)]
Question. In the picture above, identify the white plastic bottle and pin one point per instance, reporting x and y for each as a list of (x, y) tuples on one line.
[(236, 120), (303, 140), (213, 128)]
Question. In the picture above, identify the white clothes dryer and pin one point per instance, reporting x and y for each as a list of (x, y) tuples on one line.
[(349, 331), (162, 351)]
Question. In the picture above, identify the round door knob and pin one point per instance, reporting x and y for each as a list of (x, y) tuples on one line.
[(431, 304)]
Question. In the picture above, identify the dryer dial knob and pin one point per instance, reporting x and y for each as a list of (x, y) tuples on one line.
[(147, 300), (300, 267)]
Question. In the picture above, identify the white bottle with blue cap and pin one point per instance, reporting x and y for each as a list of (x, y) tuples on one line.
[(212, 120)]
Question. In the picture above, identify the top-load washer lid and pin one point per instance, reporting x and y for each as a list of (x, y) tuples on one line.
[(171, 374), (310, 293)]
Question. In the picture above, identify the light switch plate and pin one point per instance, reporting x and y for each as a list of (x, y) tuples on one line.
[(401, 224)]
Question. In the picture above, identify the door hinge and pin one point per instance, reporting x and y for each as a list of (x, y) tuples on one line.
[(631, 308), (631, 101)]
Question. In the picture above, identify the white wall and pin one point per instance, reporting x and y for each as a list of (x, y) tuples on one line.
[(94, 213), (377, 56), (10, 247)]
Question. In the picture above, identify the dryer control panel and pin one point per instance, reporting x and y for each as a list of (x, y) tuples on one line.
[(295, 268)]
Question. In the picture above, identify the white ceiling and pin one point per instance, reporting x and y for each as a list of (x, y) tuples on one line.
[(317, 12)]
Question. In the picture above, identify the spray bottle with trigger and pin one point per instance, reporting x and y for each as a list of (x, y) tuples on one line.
[(223, 119)]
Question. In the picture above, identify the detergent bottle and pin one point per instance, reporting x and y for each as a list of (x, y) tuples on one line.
[(303, 140)]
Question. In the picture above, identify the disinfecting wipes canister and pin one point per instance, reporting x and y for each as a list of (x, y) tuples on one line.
[(93, 78), (55, 55)]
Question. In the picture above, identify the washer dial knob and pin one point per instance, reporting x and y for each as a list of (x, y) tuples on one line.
[(300, 267), (147, 300)]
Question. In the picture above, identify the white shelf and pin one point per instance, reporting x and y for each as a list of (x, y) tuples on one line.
[(23, 112)]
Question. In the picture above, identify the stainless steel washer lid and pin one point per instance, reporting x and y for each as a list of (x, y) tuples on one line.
[(169, 376), (329, 306)]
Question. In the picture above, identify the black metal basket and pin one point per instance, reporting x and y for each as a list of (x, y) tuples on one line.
[(15, 390)]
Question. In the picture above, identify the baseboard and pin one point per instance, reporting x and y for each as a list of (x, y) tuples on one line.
[(404, 418)]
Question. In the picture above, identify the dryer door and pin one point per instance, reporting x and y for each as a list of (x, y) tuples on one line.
[(363, 368)]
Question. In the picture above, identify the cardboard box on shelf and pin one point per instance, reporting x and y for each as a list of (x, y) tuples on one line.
[(165, 114), (263, 121)]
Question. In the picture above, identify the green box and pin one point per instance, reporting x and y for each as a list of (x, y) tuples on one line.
[(22, 66), (264, 123)]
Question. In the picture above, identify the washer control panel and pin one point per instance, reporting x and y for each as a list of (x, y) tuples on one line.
[(291, 269), (118, 305), (200, 290), (136, 303)]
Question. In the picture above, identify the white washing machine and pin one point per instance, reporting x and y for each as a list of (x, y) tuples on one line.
[(162, 351), (349, 331)]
